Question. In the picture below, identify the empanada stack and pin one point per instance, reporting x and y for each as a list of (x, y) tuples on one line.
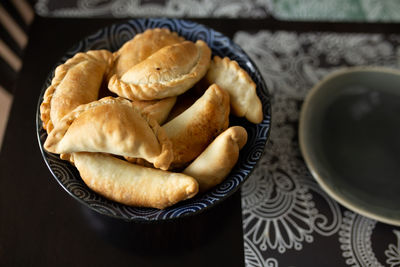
[(130, 148)]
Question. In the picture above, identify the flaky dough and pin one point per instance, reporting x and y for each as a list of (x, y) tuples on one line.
[(242, 90), (75, 82), (132, 184), (111, 125), (156, 109), (217, 160), (141, 47), (192, 131), (168, 72)]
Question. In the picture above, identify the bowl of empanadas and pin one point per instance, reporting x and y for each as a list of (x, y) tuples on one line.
[(153, 119)]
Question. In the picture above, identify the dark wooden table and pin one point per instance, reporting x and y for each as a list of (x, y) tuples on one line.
[(41, 225)]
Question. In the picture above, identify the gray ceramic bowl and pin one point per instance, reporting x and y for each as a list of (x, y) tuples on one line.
[(349, 135)]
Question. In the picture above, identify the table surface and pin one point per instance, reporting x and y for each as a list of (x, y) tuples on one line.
[(40, 225)]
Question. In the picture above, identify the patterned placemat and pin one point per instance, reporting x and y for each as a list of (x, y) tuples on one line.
[(337, 10), (164, 8), (321, 10), (287, 219)]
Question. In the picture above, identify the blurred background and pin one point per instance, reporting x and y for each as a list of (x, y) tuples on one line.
[(17, 15), (15, 18)]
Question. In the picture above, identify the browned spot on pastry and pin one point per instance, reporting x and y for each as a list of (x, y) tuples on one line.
[(195, 128)]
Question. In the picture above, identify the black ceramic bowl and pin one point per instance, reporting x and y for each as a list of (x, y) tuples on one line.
[(112, 38)]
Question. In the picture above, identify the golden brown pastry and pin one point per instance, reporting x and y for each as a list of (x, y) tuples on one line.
[(111, 125), (242, 90), (185, 100), (168, 72), (132, 184), (217, 160), (156, 109), (75, 82), (142, 46), (195, 128)]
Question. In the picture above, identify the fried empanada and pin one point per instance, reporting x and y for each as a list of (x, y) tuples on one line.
[(213, 165), (185, 100), (156, 109), (132, 184), (111, 125), (75, 82), (242, 90), (195, 128), (142, 46), (168, 72)]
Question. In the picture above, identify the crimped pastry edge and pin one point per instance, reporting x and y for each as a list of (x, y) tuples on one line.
[(162, 90), (59, 75), (162, 161)]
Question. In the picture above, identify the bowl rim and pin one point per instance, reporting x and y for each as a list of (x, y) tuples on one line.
[(306, 150)]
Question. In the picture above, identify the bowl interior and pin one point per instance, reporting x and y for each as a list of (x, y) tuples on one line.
[(112, 38), (349, 136)]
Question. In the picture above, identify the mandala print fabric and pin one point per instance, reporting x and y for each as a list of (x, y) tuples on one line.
[(157, 8), (286, 215), (328, 10)]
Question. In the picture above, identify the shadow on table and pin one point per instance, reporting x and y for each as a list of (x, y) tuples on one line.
[(168, 237)]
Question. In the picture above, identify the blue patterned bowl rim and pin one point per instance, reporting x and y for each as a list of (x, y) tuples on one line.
[(111, 38)]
